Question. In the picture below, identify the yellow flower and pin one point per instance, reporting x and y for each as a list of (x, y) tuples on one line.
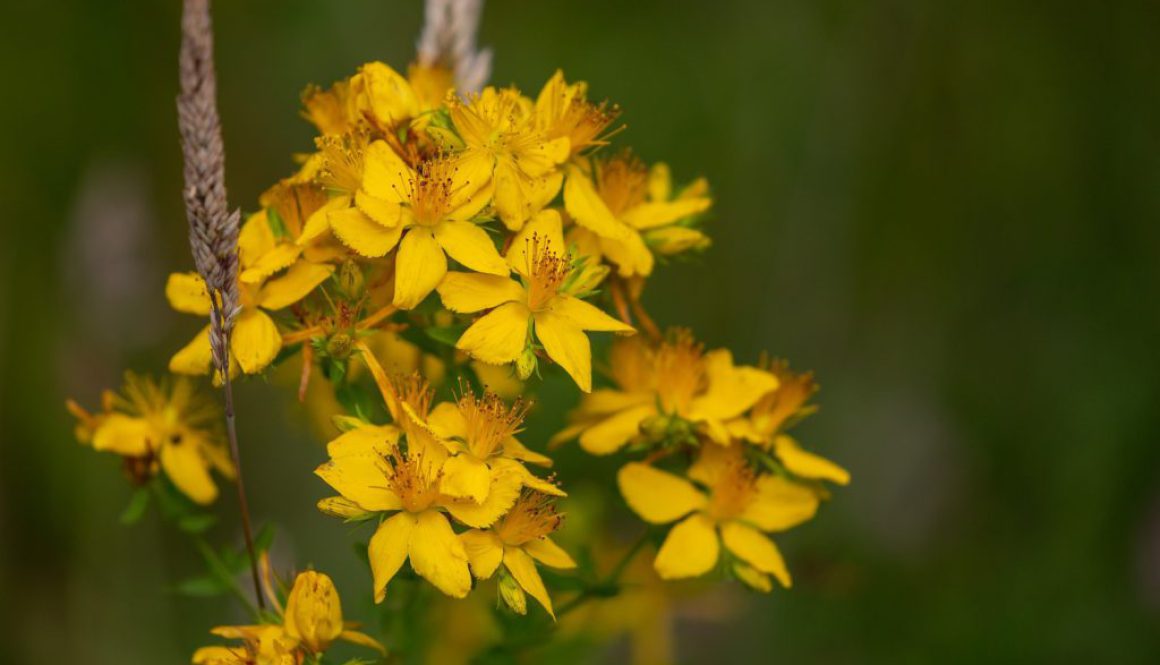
[(375, 473), (500, 138), (313, 615), (377, 96), (166, 425), (256, 340), (736, 508), (624, 214), (263, 645), (518, 541), (311, 621), (765, 423), (563, 110), (480, 434), (542, 303), (667, 387), (426, 212)]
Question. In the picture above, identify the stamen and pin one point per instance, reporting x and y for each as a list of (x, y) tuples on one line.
[(546, 271), (679, 370), (490, 421), (532, 517), (342, 161)]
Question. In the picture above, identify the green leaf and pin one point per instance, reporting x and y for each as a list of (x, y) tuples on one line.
[(136, 508), (203, 586), (197, 522), (277, 225)]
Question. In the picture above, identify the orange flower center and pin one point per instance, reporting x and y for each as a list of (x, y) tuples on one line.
[(532, 517), (546, 272), (733, 491), (679, 371), (414, 479), (623, 183), (342, 161), (490, 421), (432, 190)]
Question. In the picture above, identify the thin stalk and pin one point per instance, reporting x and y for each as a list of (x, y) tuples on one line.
[(243, 504)]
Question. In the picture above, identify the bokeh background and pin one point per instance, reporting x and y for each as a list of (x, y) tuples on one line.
[(950, 210)]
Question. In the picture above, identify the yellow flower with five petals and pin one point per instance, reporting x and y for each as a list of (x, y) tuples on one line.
[(736, 508), (540, 304)]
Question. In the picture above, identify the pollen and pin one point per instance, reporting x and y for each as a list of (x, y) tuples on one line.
[(413, 478), (733, 491), (546, 271), (433, 189), (623, 182), (679, 370), (533, 516), (342, 161), (490, 421)]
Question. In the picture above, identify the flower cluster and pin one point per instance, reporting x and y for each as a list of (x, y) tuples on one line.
[(430, 255), (675, 401)]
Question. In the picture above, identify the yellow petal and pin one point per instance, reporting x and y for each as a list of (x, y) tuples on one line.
[(756, 550), (549, 553), (362, 640), (588, 209), (652, 215), (690, 549), (187, 293), (123, 435), (732, 389), (465, 477), (566, 344), (526, 478), (437, 555), (184, 465), (780, 504), (388, 549), (385, 175), (447, 421), (420, 266), (387, 213), (657, 496), (587, 316), (254, 239), (293, 286), (470, 245), (547, 228), (499, 336), (361, 479), (610, 434), (484, 552), (523, 569), (504, 490), (676, 239), (515, 450), (280, 257), (255, 341), (467, 292), (319, 221), (366, 440), (194, 358), (362, 234), (631, 256), (806, 464), (660, 182)]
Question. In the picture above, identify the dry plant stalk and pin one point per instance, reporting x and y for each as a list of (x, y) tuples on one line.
[(213, 228), (448, 39)]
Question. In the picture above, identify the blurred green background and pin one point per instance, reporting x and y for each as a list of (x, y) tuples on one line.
[(949, 210)]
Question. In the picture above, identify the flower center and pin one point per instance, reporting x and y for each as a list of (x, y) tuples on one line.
[(733, 491), (623, 183), (532, 517), (546, 271), (342, 162), (679, 371), (432, 190), (490, 421), (413, 478)]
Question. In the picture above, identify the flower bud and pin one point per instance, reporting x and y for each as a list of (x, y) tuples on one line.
[(752, 578), (351, 280), (511, 594), (313, 611), (526, 364), (339, 345)]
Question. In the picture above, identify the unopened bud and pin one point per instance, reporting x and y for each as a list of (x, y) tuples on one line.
[(511, 594), (526, 364), (351, 279), (339, 345)]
